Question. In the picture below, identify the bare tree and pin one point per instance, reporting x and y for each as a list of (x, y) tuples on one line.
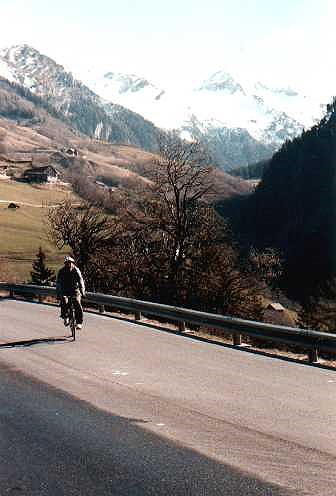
[(179, 247), (85, 229), (180, 182), (169, 245)]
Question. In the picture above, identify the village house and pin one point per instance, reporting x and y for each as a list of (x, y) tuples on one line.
[(8, 165), (3, 169), (73, 152), (45, 174)]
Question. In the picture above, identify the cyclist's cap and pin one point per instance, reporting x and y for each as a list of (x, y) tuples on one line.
[(68, 259)]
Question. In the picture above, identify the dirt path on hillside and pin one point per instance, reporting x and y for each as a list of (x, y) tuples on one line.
[(28, 204), (46, 205)]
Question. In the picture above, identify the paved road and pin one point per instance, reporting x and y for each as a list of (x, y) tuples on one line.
[(130, 410)]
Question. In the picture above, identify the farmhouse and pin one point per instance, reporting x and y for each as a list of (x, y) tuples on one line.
[(3, 169), (72, 152), (8, 165), (46, 174)]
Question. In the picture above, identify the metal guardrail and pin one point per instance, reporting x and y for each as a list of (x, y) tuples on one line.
[(307, 340)]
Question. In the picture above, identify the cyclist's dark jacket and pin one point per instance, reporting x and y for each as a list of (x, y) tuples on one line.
[(69, 282)]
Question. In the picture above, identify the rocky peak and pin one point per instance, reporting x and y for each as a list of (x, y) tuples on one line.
[(37, 72), (279, 91), (127, 82), (222, 81)]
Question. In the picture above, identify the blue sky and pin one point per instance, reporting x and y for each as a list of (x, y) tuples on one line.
[(280, 41)]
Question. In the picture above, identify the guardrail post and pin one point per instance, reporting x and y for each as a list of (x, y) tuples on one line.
[(181, 326), (11, 293), (313, 355), (101, 308), (237, 339), (138, 316)]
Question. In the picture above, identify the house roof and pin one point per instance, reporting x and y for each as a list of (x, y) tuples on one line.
[(276, 306), (8, 160), (41, 170)]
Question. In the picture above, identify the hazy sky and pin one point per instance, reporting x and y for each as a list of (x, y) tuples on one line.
[(287, 41)]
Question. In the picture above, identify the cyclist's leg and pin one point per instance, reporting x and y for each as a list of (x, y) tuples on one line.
[(64, 300), (78, 309)]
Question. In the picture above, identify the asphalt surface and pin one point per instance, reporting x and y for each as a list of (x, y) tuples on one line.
[(131, 410)]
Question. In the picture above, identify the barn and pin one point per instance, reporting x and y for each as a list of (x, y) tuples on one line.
[(46, 174)]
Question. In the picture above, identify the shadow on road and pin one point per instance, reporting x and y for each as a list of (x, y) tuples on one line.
[(31, 342), (72, 448)]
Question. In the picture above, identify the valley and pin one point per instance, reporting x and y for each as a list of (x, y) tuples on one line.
[(107, 154), (240, 120), (24, 229)]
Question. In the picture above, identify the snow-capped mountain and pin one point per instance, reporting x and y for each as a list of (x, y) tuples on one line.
[(85, 110), (241, 120), (216, 106), (139, 95), (123, 83), (221, 99), (221, 81)]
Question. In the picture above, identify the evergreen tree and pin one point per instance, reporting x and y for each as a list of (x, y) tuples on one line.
[(293, 210), (320, 312), (41, 274)]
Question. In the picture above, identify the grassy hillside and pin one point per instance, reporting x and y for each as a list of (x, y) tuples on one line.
[(24, 229), (122, 166)]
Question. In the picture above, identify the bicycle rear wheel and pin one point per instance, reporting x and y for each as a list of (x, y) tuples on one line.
[(72, 322)]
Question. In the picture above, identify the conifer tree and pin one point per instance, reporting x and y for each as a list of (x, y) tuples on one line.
[(41, 274), (319, 312)]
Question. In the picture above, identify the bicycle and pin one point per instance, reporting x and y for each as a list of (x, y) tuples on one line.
[(71, 315)]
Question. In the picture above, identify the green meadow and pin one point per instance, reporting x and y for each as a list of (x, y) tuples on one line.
[(24, 229)]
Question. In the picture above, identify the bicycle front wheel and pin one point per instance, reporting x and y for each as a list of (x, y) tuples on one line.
[(72, 324)]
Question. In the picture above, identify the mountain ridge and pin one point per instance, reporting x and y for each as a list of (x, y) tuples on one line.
[(261, 114), (81, 106), (239, 121), (29, 132)]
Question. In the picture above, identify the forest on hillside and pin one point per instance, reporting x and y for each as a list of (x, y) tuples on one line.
[(250, 171), (83, 112), (293, 211)]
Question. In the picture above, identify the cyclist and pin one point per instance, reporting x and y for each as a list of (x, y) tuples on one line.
[(70, 283)]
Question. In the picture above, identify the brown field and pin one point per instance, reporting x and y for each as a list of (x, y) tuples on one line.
[(118, 162)]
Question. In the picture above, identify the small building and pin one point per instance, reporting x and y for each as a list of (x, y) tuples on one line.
[(3, 170), (275, 306), (73, 152), (46, 174), (104, 186), (277, 314)]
